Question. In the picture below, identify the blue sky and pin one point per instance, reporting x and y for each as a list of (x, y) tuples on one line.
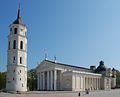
[(77, 32)]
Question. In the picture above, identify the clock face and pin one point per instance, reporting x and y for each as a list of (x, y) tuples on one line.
[(23, 30)]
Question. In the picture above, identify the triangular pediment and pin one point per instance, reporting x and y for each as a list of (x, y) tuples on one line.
[(45, 65)]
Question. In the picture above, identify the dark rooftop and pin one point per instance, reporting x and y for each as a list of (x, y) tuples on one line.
[(101, 67), (19, 20), (68, 65)]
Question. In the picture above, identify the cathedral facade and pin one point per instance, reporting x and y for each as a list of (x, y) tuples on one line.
[(58, 76)]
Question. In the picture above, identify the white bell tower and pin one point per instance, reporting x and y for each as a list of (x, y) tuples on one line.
[(16, 79)]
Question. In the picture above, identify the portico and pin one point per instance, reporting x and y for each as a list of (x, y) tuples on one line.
[(47, 80)]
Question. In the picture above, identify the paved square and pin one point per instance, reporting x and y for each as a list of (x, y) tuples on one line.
[(111, 93)]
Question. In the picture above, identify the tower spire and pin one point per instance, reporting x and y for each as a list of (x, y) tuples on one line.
[(19, 19), (18, 15)]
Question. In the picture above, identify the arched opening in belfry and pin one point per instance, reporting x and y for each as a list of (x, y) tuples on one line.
[(15, 31), (14, 44), (21, 44)]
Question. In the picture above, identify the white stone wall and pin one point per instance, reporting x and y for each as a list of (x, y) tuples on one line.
[(67, 81), (16, 78), (106, 83), (76, 81), (113, 82)]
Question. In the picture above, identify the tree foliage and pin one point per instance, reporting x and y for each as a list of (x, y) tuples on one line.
[(2, 80), (32, 80), (118, 78)]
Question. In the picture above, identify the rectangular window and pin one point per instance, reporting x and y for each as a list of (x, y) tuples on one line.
[(20, 60), (9, 45), (21, 44), (14, 44), (14, 59)]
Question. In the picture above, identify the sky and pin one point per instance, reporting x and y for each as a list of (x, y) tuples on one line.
[(77, 32)]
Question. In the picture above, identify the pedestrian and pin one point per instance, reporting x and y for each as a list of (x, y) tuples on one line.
[(79, 94), (87, 91)]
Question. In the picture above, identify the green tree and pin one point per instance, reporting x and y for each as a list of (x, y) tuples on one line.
[(118, 78), (2, 80), (32, 80)]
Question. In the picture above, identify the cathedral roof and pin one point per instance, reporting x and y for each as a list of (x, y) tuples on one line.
[(19, 19), (77, 67)]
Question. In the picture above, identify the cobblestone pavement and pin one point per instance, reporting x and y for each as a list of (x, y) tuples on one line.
[(111, 93)]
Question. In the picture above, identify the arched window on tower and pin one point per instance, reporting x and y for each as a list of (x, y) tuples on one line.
[(15, 31), (9, 45), (21, 44), (20, 60), (14, 44), (14, 59)]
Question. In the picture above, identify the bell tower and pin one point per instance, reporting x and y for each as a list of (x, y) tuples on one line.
[(16, 79)]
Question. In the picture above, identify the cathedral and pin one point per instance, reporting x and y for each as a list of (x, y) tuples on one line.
[(16, 79), (52, 75)]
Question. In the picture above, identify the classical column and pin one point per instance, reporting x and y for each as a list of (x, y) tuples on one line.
[(90, 83), (51, 80), (43, 80), (38, 85), (48, 80), (80, 82), (83, 83), (94, 83), (99, 83), (40, 81), (55, 79), (86, 83)]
